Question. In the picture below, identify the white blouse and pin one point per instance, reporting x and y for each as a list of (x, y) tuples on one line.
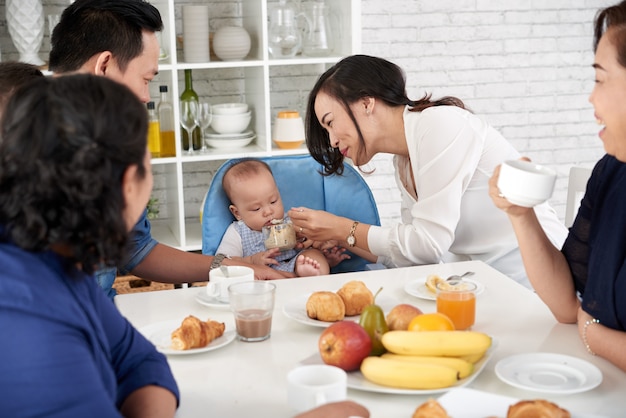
[(447, 215)]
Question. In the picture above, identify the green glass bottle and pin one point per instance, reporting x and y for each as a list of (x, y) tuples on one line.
[(187, 95)]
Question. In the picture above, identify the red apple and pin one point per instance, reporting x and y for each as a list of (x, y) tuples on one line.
[(344, 344)]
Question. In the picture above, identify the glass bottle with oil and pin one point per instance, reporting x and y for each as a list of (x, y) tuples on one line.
[(154, 134), (165, 111)]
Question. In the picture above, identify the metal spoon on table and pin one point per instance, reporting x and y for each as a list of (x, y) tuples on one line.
[(459, 277)]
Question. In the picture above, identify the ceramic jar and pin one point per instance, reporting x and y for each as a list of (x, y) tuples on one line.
[(231, 43)]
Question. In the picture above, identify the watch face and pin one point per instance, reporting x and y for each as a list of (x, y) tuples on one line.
[(351, 240)]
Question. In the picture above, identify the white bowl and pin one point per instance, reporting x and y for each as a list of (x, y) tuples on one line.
[(526, 184), (229, 108), (231, 124)]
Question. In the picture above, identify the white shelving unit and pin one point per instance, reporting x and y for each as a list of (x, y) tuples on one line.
[(258, 80)]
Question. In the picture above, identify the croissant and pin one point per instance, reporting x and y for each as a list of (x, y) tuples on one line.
[(538, 408), (193, 333), (430, 409)]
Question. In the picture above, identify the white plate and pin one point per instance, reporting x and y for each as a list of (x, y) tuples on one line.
[(296, 310), (212, 302), (418, 288), (548, 373), (358, 382), (472, 403), (215, 135), (160, 333), (229, 143)]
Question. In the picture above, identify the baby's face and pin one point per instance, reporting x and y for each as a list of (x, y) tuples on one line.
[(256, 201)]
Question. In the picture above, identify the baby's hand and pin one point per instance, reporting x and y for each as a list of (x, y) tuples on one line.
[(335, 255), (265, 258)]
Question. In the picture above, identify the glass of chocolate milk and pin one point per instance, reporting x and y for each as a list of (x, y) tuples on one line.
[(252, 304)]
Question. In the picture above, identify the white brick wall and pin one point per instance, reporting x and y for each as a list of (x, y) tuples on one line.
[(524, 65)]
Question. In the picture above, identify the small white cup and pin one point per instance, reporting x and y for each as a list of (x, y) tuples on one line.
[(524, 183), (314, 385), (218, 283)]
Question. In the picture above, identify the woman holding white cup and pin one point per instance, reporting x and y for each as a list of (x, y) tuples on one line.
[(585, 281)]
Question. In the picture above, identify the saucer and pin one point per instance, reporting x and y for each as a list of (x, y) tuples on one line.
[(548, 373), (210, 301)]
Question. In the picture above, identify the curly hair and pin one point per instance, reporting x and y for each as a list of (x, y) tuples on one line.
[(66, 144), (89, 27), (353, 78)]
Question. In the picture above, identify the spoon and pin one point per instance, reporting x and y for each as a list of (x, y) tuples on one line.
[(225, 271), (457, 277)]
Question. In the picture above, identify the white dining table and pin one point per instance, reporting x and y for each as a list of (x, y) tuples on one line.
[(243, 379)]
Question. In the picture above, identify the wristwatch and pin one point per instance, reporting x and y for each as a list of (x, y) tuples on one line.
[(217, 261), (351, 240)]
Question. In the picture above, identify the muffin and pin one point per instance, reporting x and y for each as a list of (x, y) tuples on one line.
[(356, 296)]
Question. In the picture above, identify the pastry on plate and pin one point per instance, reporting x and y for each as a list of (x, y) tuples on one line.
[(194, 333), (538, 408), (430, 409), (325, 306), (356, 296)]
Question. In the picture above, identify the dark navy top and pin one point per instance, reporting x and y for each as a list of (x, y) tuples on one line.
[(596, 245), (65, 350)]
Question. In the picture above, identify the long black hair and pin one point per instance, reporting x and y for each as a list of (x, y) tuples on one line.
[(353, 78), (66, 144)]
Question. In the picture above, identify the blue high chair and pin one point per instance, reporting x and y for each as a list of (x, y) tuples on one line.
[(301, 184)]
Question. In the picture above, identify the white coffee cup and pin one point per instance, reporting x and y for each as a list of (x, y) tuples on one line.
[(524, 183), (314, 385), (217, 287)]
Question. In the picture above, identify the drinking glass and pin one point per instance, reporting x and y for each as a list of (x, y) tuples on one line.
[(457, 300), (205, 115), (189, 120)]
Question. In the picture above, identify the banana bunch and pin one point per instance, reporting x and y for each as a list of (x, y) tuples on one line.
[(426, 359)]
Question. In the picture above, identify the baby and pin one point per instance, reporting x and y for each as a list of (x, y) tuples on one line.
[(255, 203)]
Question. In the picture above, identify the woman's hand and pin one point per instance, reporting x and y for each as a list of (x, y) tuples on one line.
[(500, 200), (315, 225)]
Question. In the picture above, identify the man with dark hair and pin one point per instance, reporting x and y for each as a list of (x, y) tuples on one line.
[(117, 39)]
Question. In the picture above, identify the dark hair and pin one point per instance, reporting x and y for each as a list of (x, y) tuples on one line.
[(89, 27), (14, 75), (353, 78), (242, 168), (612, 17), (66, 144)]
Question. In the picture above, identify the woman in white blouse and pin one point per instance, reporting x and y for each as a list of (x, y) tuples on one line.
[(443, 158)]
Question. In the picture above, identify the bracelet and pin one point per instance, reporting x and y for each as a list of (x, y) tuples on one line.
[(587, 323)]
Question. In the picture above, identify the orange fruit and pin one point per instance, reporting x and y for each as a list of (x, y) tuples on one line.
[(431, 322)]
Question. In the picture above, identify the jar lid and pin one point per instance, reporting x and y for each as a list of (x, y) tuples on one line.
[(288, 114)]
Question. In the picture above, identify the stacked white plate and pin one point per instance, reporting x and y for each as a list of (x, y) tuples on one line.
[(222, 141)]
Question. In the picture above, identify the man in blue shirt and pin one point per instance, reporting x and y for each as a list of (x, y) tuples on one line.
[(117, 39)]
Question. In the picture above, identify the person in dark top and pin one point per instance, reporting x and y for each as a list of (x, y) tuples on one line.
[(585, 282), (73, 182)]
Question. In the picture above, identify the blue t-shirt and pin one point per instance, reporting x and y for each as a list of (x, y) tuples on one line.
[(141, 243), (595, 248), (66, 351)]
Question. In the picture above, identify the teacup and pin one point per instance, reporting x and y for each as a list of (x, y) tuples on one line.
[(221, 278), (524, 183), (314, 385)]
